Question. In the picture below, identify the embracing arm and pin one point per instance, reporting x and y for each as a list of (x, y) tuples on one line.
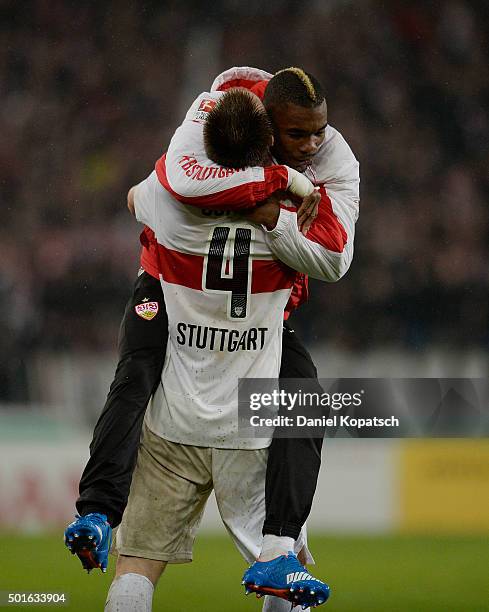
[(325, 253), (327, 250), (202, 183)]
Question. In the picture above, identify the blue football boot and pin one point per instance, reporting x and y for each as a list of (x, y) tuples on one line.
[(90, 538), (287, 578)]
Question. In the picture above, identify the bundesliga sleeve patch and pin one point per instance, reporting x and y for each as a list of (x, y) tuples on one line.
[(147, 310), (205, 107)]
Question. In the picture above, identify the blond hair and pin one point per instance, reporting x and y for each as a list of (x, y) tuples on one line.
[(304, 79)]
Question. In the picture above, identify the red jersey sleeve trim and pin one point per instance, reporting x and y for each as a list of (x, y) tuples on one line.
[(327, 229), (241, 196), (246, 83), (257, 87)]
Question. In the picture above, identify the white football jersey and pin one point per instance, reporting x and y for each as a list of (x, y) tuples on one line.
[(225, 295)]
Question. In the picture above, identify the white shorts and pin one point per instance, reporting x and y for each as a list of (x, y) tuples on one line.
[(169, 490)]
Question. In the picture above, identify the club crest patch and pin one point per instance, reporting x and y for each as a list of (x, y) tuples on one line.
[(147, 310)]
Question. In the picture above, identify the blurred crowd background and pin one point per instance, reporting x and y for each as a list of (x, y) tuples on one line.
[(91, 92)]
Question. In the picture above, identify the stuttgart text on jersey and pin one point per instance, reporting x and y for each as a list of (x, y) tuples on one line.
[(220, 338)]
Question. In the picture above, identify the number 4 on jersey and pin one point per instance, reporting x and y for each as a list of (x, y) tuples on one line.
[(233, 274)]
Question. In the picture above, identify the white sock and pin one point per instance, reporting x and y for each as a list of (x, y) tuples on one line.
[(130, 593), (277, 604), (273, 546)]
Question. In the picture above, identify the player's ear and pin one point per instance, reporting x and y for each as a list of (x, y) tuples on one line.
[(272, 140)]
